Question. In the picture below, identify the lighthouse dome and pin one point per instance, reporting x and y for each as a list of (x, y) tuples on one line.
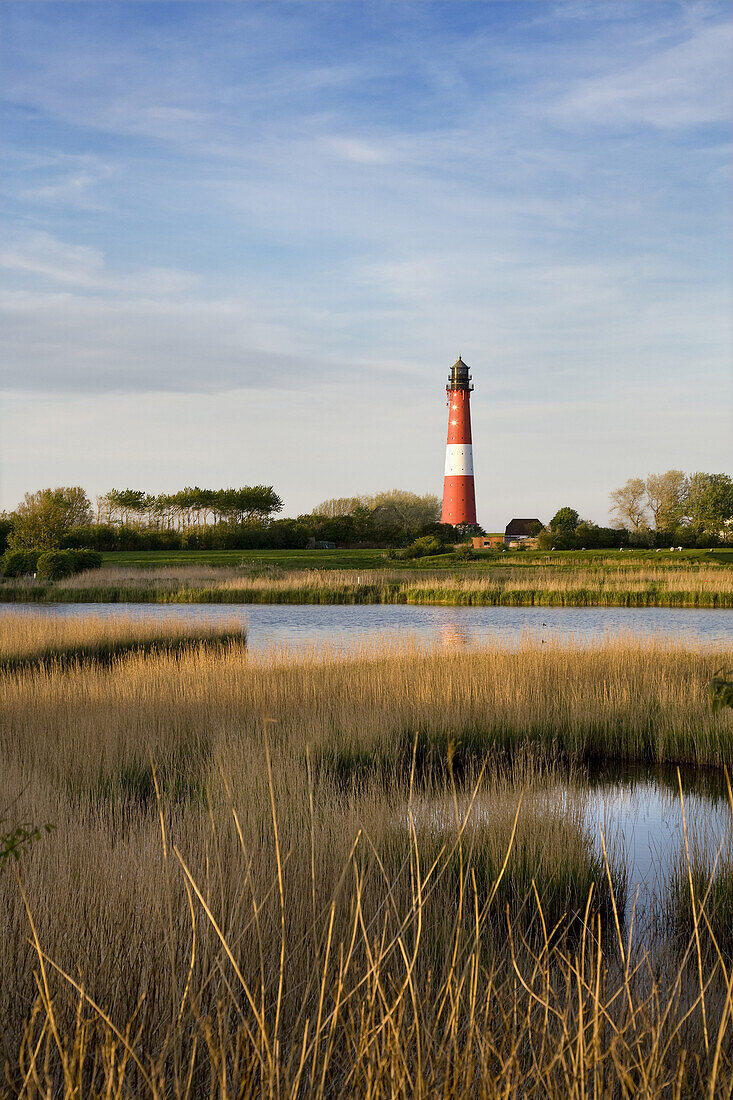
[(459, 377)]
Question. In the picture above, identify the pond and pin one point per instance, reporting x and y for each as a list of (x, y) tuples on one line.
[(313, 624), (642, 818), (638, 812)]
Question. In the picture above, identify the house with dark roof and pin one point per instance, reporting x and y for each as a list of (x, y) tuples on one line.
[(522, 532)]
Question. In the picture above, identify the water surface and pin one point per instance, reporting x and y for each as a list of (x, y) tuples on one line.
[(642, 816), (339, 625)]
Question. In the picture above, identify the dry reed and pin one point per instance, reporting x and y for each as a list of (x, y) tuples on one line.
[(622, 698), (31, 639)]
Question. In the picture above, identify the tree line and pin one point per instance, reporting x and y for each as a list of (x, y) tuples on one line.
[(673, 507), (187, 508), (697, 505), (212, 519)]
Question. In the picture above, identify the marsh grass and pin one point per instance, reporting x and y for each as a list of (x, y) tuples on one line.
[(700, 900), (529, 863), (27, 640), (713, 886), (280, 930), (602, 583), (358, 714)]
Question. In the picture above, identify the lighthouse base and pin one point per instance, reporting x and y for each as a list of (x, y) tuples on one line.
[(459, 500)]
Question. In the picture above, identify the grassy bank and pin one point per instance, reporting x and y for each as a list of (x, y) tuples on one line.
[(329, 876), (604, 584)]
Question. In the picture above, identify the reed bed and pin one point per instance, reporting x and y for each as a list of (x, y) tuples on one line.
[(28, 639), (226, 908), (603, 583), (359, 714), (700, 902)]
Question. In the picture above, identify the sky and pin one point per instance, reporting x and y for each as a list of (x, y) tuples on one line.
[(243, 243)]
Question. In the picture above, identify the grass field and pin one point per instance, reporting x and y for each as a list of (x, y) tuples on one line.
[(269, 877), (377, 559), (601, 581), (287, 559)]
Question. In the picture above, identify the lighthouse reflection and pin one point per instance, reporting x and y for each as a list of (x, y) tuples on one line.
[(454, 635)]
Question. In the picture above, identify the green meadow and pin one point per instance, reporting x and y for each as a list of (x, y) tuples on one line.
[(376, 559)]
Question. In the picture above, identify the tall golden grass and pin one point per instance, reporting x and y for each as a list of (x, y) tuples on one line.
[(622, 698), (30, 639), (602, 583), (228, 908)]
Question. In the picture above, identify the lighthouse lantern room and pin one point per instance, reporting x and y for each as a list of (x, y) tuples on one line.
[(459, 499)]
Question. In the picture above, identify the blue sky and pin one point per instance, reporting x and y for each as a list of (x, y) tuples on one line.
[(244, 242)]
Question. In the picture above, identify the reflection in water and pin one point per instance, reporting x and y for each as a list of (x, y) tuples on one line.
[(643, 822), (454, 635), (638, 811)]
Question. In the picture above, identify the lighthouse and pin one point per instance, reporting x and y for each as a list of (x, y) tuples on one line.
[(459, 500)]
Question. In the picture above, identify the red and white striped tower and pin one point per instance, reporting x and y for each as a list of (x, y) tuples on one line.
[(459, 500)]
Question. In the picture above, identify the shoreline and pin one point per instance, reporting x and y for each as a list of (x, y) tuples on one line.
[(367, 594)]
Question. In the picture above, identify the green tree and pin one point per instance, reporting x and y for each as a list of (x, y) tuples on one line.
[(587, 535), (249, 504), (340, 506), (55, 564), (710, 503), (564, 522), (424, 547), (559, 534), (134, 505), (123, 506), (6, 527), (409, 509), (389, 512), (42, 518), (666, 496)]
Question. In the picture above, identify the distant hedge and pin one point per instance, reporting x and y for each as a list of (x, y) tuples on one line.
[(50, 564), (424, 547), (85, 558)]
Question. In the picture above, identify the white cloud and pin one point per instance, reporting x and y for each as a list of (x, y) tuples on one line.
[(73, 188), (57, 180), (61, 343), (82, 266), (360, 152), (687, 84), (42, 254)]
